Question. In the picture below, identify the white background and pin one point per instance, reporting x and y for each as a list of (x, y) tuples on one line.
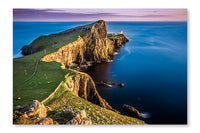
[(193, 7)]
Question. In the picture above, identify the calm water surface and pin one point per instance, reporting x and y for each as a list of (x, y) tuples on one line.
[(152, 65)]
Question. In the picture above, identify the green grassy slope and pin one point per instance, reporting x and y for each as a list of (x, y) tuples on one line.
[(43, 83), (65, 99), (47, 76)]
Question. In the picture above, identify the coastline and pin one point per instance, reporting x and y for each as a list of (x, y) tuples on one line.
[(77, 77), (113, 71)]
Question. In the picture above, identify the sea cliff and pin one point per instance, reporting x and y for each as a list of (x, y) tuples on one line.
[(83, 86), (93, 46), (73, 48)]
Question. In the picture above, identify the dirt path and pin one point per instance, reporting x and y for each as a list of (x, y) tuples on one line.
[(36, 66), (52, 93)]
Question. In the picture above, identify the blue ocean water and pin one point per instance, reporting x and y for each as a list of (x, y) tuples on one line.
[(25, 32), (152, 65)]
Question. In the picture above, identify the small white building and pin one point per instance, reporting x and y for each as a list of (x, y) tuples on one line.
[(118, 33)]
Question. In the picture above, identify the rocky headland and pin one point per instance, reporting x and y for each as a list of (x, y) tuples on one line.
[(93, 45)]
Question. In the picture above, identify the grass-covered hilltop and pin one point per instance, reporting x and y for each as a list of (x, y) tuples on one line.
[(49, 89)]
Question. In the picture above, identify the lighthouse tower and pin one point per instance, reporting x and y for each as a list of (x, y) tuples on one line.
[(121, 31)]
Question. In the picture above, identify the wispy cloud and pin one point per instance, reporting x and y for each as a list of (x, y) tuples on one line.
[(94, 14)]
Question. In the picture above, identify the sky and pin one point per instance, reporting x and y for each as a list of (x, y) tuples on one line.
[(59, 14)]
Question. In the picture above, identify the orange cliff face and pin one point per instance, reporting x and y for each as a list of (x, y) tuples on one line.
[(83, 86), (68, 54), (93, 46)]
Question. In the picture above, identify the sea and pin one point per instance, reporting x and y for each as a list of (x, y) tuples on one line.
[(152, 66)]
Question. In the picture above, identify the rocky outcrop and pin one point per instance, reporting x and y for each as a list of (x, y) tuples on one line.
[(31, 113), (131, 109), (36, 112), (72, 117), (118, 41), (27, 50), (83, 86), (47, 121)]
